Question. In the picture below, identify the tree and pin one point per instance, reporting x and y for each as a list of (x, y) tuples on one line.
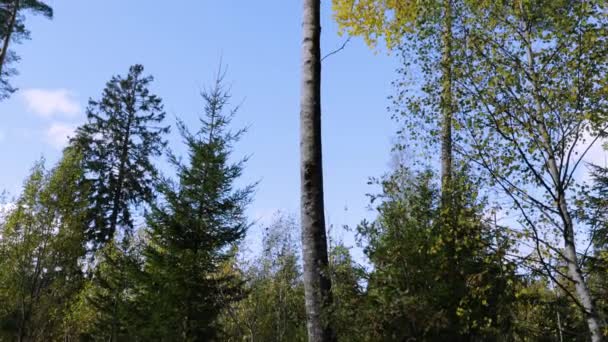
[(317, 283), (399, 21), (542, 312), (418, 289), (41, 252), (272, 307), (123, 132), (533, 83), (192, 229), (109, 307), (596, 264), (13, 30), (427, 35), (350, 312)]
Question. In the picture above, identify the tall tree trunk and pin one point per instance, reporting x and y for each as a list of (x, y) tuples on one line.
[(317, 284), (447, 213), (9, 31), (571, 259), (446, 102), (575, 273)]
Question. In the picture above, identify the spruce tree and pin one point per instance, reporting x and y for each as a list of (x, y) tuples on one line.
[(191, 230), (124, 131)]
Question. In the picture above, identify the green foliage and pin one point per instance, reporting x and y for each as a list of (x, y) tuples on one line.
[(192, 229), (532, 88), (419, 287), (374, 19), (520, 83), (351, 313), (13, 30), (108, 307), (597, 263), (42, 249), (272, 307), (123, 132)]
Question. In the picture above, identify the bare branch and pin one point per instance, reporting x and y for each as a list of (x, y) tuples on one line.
[(337, 50)]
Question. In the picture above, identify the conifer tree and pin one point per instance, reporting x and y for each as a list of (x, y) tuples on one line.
[(124, 131), (191, 230), (13, 30), (113, 295)]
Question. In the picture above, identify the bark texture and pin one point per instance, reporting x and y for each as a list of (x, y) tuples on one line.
[(446, 102), (317, 284)]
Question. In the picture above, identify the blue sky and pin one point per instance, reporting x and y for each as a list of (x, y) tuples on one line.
[(181, 43)]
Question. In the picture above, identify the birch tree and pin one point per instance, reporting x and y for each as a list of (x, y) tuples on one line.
[(534, 84), (410, 22)]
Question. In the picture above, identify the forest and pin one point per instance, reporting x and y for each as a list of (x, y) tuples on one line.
[(489, 224)]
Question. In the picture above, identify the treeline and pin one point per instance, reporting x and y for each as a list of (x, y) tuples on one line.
[(75, 263), (507, 241)]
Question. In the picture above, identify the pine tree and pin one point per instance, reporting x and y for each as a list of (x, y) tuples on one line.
[(191, 230), (123, 132), (13, 30)]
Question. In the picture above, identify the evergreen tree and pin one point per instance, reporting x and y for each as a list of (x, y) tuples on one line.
[(123, 132), (13, 30), (192, 229), (110, 303)]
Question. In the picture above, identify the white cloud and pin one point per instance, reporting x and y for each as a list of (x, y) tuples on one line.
[(50, 102), (58, 134)]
